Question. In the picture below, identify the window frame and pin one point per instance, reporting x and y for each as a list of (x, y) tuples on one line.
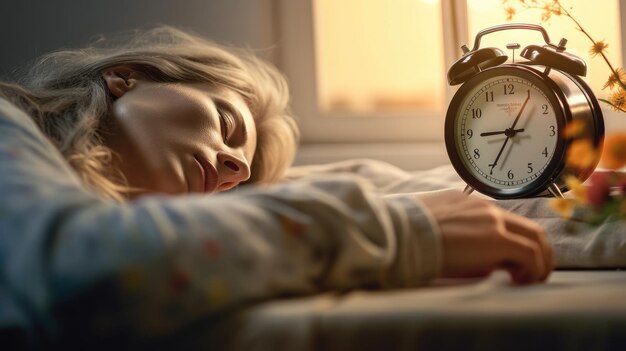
[(296, 58)]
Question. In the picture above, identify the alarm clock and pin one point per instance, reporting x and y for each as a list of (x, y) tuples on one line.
[(504, 128)]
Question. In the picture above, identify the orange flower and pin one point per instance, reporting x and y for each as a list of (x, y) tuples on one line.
[(564, 207), (614, 155), (618, 100), (615, 78), (574, 129), (597, 48), (550, 9), (510, 12), (577, 188), (580, 155)]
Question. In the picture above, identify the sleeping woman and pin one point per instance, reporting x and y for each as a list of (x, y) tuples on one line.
[(119, 218)]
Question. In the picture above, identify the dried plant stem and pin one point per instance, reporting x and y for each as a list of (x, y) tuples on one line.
[(580, 27), (612, 105), (622, 84)]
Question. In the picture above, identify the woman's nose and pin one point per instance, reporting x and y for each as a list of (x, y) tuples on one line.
[(232, 170)]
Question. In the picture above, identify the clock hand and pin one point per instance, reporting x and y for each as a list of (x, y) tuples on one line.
[(502, 132), (521, 110), (492, 165), (509, 133)]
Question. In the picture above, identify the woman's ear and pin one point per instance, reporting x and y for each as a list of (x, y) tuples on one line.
[(120, 79)]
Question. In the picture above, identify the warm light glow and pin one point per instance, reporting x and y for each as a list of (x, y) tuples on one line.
[(600, 19), (375, 55), (372, 56)]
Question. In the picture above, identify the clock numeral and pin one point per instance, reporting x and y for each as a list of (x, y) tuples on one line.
[(470, 133), (530, 167), (477, 113), (545, 151), (510, 174), (544, 107), (476, 154), (552, 130), (509, 89), (489, 96)]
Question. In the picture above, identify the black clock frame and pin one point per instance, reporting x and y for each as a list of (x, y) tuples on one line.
[(563, 114)]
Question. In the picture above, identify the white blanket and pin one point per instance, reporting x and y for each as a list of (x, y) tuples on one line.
[(576, 244)]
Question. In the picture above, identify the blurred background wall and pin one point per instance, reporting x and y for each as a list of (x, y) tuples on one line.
[(30, 28), (397, 128)]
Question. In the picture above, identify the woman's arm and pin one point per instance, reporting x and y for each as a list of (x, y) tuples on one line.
[(74, 264)]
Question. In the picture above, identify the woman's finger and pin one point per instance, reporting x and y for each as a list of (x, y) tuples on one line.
[(523, 258), (533, 231)]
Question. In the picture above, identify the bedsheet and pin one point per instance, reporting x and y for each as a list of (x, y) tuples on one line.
[(574, 310), (576, 244), (582, 306)]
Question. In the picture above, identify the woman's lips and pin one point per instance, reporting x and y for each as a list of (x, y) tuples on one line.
[(209, 174)]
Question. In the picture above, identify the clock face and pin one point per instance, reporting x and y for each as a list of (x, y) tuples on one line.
[(506, 131)]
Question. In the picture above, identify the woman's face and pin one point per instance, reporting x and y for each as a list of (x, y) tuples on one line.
[(179, 138)]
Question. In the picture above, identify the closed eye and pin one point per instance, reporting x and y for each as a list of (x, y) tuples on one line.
[(227, 125), (234, 126)]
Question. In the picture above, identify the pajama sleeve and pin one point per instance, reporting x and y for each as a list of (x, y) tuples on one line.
[(73, 264)]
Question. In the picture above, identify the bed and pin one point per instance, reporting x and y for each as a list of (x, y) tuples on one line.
[(581, 307), (575, 310)]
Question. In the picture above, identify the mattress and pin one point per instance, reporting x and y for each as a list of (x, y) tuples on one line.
[(582, 306), (574, 310)]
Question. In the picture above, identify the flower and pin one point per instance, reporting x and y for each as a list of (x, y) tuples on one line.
[(618, 100), (597, 48), (550, 9), (575, 129), (614, 154), (510, 12), (615, 78), (604, 194), (564, 207), (577, 188), (581, 155), (600, 189)]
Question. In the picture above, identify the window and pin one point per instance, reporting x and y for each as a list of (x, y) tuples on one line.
[(393, 67), (603, 22), (375, 71)]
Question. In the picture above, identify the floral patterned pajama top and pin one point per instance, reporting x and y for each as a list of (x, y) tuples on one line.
[(77, 269)]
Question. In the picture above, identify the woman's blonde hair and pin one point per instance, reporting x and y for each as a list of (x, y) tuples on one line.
[(66, 95)]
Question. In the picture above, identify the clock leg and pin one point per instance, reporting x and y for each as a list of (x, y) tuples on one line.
[(468, 190), (555, 191)]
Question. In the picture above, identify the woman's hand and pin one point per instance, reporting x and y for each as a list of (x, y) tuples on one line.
[(478, 237)]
